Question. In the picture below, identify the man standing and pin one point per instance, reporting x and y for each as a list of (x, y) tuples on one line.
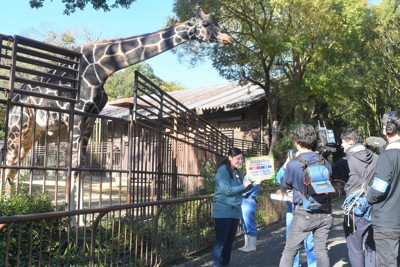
[(308, 242), (358, 230), (319, 222), (384, 195)]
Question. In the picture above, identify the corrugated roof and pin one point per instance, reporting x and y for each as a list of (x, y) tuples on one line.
[(115, 111), (227, 96)]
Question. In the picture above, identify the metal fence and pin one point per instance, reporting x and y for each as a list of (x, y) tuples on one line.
[(141, 234), (128, 204), (153, 151)]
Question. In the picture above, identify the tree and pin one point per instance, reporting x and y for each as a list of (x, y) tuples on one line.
[(65, 39), (72, 5), (281, 46), (121, 84), (382, 60)]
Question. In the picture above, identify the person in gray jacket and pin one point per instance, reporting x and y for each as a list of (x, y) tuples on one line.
[(358, 230), (384, 195), (229, 186)]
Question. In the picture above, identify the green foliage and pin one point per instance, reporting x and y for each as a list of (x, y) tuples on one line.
[(281, 150), (33, 242), (270, 183), (176, 229), (381, 63), (65, 39), (121, 84), (72, 5), (333, 60), (208, 170), (30, 231), (25, 203)]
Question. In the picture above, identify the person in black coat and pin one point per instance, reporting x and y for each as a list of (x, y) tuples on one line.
[(358, 230), (384, 195)]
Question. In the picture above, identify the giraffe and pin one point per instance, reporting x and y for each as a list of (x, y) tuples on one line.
[(99, 61)]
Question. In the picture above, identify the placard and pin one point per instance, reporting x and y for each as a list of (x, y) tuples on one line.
[(260, 167)]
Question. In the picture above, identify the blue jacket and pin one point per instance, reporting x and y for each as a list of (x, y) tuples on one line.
[(279, 175), (227, 194)]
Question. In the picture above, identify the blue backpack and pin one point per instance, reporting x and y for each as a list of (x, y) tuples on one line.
[(356, 204), (318, 186)]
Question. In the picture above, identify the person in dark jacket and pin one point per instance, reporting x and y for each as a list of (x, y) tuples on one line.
[(229, 186), (358, 230), (384, 195), (340, 170), (319, 223), (308, 242)]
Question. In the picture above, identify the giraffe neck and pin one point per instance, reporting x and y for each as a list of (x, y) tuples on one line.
[(101, 59)]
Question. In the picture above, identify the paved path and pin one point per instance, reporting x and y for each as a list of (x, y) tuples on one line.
[(271, 242)]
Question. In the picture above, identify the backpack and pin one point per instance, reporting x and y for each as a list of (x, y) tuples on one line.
[(317, 184), (356, 204)]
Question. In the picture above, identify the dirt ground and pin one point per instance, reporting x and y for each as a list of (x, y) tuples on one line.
[(271, 242)]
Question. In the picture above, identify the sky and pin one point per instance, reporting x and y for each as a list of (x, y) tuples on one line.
[(144, 16)]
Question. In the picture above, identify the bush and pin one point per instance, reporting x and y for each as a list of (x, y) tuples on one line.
[(12, 246), (208, 170), (26, 204)]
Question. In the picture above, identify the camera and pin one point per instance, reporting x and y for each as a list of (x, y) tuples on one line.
[(326, 143)]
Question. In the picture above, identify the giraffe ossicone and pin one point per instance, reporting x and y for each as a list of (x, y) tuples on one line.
[(99, 61)]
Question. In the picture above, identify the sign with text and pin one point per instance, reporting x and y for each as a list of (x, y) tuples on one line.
[(260, 167)]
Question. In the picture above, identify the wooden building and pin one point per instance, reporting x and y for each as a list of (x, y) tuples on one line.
[(238, 111)]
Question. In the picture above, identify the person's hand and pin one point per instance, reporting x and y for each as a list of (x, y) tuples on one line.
[(257, 181), (247, 182)]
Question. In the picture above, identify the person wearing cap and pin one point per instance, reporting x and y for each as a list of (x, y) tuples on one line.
[(384, 195)]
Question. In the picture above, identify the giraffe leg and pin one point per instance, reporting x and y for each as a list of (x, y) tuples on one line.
[(11, 158), (82, 131), (19, 142)]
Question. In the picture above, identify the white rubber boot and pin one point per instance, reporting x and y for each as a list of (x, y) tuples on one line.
[(252, 244), (246, 243)]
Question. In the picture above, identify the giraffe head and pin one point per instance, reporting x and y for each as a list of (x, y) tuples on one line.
[(205, 28)]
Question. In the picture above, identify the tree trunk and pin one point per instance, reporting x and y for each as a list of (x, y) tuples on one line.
[(275, 137)]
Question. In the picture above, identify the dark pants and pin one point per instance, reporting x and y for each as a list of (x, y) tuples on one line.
[(387, 246), (225, 232), (360, 243), (304, 223)]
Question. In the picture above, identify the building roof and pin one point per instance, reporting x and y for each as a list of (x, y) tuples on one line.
[(226, 96), (115, 111)]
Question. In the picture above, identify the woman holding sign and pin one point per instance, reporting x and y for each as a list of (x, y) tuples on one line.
[(229, 186), (257, 168)]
